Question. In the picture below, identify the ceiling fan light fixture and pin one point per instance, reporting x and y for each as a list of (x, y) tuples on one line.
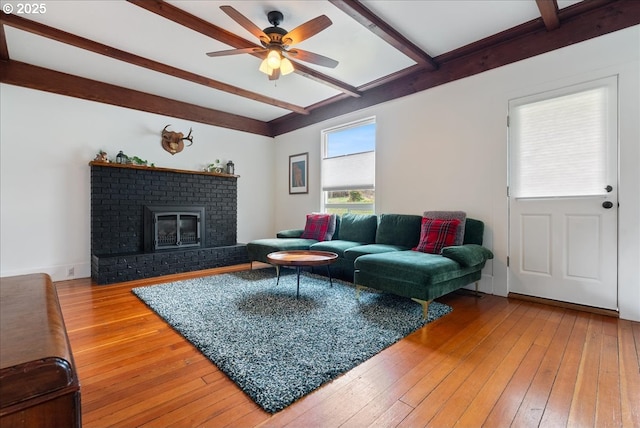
[(286, 66), (264, 67), (274, 58)]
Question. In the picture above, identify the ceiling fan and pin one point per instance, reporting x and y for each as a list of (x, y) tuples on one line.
[(276, 42)]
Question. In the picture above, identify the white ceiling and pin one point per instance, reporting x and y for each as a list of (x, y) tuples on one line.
[(435, 26)]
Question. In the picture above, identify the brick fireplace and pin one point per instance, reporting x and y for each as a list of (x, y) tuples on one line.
[(122, 196)]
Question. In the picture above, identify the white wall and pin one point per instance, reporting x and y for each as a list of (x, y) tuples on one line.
[(46, 143), (446, 148)]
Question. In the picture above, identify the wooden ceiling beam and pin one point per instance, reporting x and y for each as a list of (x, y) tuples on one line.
[(199, 25), (80, 42), (520, 30), (386, 32), (549, 13), (4, 50), (31, 76), (179, 16), (605, 17)]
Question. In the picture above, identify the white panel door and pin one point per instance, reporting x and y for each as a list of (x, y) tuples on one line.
[(563, 195), (562, 249)]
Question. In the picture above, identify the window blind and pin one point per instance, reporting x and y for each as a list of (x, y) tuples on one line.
[(355, 171)]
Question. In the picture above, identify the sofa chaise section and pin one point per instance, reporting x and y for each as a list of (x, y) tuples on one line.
[(423, 276)]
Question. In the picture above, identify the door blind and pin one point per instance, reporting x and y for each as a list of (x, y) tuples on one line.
[(559, 144)]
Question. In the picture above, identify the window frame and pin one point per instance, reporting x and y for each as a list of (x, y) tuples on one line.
[(348, 207)]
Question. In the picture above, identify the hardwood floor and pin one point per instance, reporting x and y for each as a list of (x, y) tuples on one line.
[(492, 362)]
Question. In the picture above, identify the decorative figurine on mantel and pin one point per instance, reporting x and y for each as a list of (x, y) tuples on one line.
[(173, 142), (101, 157), (215, 167)]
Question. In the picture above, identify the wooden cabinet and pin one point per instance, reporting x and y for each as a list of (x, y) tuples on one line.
[(39, 384)]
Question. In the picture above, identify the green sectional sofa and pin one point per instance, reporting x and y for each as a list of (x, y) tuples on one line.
[(376, 252)]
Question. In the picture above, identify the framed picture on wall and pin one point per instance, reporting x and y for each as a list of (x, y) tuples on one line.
[(299, 173)]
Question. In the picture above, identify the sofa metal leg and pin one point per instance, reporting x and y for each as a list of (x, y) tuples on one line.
[(477, 293), (358, 288), (425, 306)]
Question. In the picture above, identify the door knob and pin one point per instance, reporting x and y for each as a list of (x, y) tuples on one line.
[(608, 188), (607, 204)]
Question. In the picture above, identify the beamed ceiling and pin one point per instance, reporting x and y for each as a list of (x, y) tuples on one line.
[(149, 55)]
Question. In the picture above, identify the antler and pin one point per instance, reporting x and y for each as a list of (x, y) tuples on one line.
[(189, 137)]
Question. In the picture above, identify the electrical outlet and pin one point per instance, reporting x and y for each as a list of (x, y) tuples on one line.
[(71, 271)]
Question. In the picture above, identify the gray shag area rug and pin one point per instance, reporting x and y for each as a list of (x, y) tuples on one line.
[(275, 347)]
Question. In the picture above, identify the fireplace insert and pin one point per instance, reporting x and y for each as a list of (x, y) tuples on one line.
[(173, 227)]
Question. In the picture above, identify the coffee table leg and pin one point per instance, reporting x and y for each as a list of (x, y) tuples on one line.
[(278, 273), (329, 273), (298, 289)]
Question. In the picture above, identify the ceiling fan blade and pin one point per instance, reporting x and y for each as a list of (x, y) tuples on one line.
[(235, 51), (313, 58), (306, 30), (275, 75), (245, 23)]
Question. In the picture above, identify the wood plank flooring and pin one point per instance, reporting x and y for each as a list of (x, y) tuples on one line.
[(492, 362)]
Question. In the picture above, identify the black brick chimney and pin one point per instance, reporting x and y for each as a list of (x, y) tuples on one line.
[(119, 195)]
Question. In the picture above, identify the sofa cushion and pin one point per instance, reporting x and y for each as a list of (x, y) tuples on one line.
[(448, 215), (468, 255), (436, 234), (318, 225), (360, 250), (412, 266), (399, 229), (336, 246), (473, 231), (358, 228)]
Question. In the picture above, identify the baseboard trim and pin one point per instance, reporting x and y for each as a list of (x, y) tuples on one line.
[(566, 305)]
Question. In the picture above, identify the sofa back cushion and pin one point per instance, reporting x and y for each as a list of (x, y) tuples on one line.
[(399, 229), (357, 228), (473, 231)]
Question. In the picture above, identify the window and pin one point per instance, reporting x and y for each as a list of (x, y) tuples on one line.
[(348, 168), (560, 140)]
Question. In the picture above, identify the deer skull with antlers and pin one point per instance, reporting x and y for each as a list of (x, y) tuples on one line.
[(173, 142)]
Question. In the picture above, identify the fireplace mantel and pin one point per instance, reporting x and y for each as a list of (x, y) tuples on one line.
[(155, 168)]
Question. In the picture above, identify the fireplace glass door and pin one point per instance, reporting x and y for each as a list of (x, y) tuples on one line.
[(177, 230)]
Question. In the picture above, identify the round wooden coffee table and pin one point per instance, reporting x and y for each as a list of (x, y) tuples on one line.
[(300, 259)]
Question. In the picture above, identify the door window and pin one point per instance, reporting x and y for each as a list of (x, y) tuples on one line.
[(562, 141)]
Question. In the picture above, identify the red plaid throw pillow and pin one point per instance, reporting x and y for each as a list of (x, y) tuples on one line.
[(316, 227), (436, 234)]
